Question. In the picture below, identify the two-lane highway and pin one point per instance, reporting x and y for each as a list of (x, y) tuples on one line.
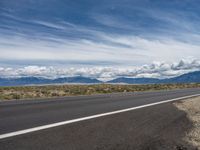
[(20, 115), (142, 120)]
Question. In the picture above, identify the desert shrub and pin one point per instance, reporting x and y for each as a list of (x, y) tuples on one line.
[(15, 96), (64, 90), (54, 94)]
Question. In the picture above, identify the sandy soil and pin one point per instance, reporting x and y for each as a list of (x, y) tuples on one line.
[(192, 108)]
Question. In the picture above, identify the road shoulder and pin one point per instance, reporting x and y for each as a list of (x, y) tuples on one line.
[(192, 108)]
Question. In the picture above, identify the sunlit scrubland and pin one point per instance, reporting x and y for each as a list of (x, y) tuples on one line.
[(47, 91)]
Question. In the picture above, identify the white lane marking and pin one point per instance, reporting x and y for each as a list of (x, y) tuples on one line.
[(3, 136)]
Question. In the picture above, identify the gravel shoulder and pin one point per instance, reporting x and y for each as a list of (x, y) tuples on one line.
[(192, 109)]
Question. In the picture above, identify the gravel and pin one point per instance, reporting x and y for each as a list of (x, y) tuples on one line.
[(192, 108)]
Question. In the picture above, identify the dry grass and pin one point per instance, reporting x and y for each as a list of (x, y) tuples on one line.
[(29, 92)]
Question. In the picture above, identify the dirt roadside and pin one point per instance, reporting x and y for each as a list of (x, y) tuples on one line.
[(192, 109)]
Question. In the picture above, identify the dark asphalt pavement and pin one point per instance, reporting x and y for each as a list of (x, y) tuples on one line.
[(19, 115)]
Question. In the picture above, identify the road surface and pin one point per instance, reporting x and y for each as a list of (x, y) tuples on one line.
[(21, 115)]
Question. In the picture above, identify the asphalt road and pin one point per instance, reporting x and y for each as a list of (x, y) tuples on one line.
[(19, 115)]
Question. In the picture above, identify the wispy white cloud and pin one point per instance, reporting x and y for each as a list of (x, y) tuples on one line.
[(48, 24), (127, 50), (129, 35)]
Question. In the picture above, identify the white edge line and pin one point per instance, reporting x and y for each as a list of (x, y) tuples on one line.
[(3, 136)]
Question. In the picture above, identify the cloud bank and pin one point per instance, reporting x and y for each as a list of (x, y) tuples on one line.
[(154, 70)]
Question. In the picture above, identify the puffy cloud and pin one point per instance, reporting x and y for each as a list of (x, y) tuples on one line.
[(154, 70)]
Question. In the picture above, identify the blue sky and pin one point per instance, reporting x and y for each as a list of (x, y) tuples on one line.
[(92, 34)]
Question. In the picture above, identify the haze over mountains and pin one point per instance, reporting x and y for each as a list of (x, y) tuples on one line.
[(193, 77)]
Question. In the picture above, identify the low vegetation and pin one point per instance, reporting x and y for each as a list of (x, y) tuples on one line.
[(29, 92)]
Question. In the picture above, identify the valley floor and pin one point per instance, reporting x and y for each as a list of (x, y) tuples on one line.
[(49, 91)]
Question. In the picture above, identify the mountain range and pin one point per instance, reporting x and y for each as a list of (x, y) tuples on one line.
[(36, 80), (193, 77)]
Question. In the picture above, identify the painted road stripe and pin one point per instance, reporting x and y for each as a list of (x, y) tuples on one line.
[(7, 135)]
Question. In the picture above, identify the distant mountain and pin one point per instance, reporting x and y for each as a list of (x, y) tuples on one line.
[(193, 77), (76, 80), (135, 80), (35, 80)]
